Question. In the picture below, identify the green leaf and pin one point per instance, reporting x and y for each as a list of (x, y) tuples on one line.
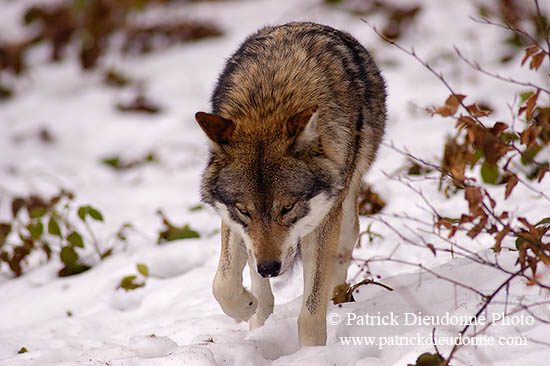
[(429, 359), (116, 78), (82, 212), (128, 283), (528, 155), (525, 95), (68, 256), (75, 239), (509, 137), (22, 350), (477, 155), (95, 214), (113, 162), (73, 269), (86, 210), (196, 208), (143, 269), (36, 229), (53, 227), (106, 253), (489, 173), (172, 233), (37, 212)]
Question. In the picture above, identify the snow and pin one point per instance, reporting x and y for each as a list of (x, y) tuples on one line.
[(174, 319)]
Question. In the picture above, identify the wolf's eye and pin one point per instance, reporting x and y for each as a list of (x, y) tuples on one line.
[(243, 211), (287, 209)]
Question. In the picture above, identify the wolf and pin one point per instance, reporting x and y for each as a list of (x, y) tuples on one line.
[(298, 113)]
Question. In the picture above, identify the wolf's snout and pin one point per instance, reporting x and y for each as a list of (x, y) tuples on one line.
[(269, 269)]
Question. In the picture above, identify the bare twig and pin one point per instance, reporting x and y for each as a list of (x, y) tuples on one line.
[(476, 66), (509, 27), (487, 302), (546, 32)]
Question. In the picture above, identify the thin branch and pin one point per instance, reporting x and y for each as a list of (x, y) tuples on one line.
[(368, 281), (439, 75), (509, 27), (476, 66), (424, 268), (487, 302), (546, 35)]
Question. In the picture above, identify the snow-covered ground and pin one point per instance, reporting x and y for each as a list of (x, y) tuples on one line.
[(174, 319)]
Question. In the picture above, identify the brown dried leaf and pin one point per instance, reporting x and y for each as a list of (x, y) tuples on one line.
[(140, 104), (445, 223), (370, 202), (529, 135), (477, 229), (455, 158), (451, 105), (474, 135), (465, 121), (498, 238), (475, 111), (524, 221), (465, 218), (531, 50), (498, 128), (512, 182), (491, 201), (493, 148), (342, 294), (529, 106), (536, 60), (541, 173), (473, 196)]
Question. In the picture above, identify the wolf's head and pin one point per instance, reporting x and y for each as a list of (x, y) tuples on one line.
[(272, 187)]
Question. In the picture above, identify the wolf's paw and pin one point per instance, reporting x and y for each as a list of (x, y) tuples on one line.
[(258, 319), (238, 302), (264, 310), (312, 329)]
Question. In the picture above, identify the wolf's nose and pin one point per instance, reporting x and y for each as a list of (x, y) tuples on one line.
[(269, 269)]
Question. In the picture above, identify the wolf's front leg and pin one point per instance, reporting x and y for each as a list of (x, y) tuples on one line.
[(235, 300), (261, 289), (319, 252)]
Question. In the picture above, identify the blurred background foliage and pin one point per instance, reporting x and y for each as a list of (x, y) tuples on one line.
[(89, 27)]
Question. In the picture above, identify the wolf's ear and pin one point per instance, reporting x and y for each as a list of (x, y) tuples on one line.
[(217, 128), (303, 124)]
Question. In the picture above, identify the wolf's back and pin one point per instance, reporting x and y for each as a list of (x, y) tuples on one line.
[(280, 71)]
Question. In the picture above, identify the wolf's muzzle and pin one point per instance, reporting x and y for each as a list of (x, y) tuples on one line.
[(269, 269)]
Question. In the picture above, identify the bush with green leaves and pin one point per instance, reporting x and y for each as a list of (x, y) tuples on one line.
[(130, 282), (46, 227)]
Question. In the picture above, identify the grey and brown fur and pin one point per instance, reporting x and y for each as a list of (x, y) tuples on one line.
[(297, 116)]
